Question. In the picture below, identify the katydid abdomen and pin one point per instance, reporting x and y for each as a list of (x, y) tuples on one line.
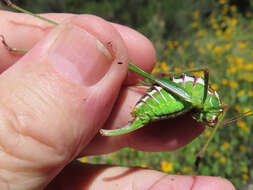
[(158, 104)]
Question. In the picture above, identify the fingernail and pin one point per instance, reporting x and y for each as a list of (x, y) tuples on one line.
[(77, 55)]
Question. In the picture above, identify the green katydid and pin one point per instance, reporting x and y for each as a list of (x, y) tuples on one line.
[(169, 97)]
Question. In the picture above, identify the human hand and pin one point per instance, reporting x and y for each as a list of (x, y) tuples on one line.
[(56, 98)]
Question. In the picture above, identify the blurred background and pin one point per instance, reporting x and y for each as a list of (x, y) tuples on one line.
[(217, 34)]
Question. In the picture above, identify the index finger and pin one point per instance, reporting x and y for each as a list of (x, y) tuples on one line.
[(23, 31)]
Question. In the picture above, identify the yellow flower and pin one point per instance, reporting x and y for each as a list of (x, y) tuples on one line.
[(217, 50), (226, 145), (201, 51), (164, 67), (198, 74), (83, 159), (241, 93), (248, 66), (217, 154), (201, 33), (196, 14), (209, 45), (194, 24), (222, 1), (186, 43), (224, 81), (250, 93), (223, 160), (233, 8), (246, 110), (242, 45), (233, 84), (175, 43), (245, 169), (176, 69), (207, 133), (245, 177), (143, 165), (215, 26), (170, 44), (233, 22), (166, 166), (187, 169), (238, 108), (191, 64), (228, 31), (242, 125), (218, 32), (242, 148), (215, 86), (156, 70), (230, 59), (231, 69), (227, 46)]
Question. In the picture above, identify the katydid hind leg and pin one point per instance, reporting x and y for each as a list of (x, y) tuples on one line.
[(132, 126)]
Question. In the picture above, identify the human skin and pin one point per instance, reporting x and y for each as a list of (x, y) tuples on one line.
[(69, 85)]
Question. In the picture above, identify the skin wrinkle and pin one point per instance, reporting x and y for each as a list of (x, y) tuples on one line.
[(156, 183), (13, 113), (5, 182), (27, 103), (56, 105), (39, 25), (13, 125), (193, 183), (152, 186)]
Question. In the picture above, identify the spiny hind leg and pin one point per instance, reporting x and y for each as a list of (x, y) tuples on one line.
[(132, 126)]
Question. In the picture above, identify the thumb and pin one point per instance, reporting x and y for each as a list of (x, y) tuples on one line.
[(55, 98)]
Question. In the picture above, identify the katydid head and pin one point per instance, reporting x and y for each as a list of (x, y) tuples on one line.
[(217, 124), (210, 117), (210, 112), (213, 116)]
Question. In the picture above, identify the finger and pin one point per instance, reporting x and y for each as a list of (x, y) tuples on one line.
[(51, 105), (159, 136), (30, 30), (85, 176)]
